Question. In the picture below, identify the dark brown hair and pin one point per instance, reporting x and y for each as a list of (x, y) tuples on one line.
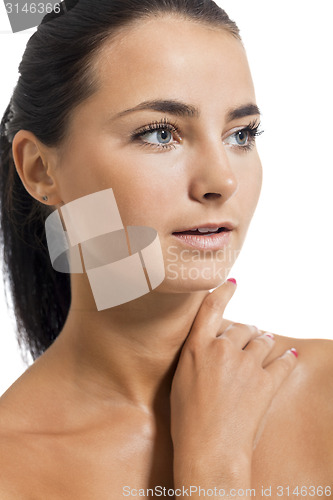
[(55, 76)]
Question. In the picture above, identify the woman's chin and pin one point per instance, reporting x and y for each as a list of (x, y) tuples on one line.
[(186, 285)]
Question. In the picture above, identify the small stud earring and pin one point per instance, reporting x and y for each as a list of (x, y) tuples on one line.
[(45, 198)]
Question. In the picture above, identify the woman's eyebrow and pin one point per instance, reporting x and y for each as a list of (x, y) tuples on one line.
[(243, 111), (182, 109)]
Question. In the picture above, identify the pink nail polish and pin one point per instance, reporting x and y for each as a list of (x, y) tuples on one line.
[(232, 280), (269, 335), (295, 353)]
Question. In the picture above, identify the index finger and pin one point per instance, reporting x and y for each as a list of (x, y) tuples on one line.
[(209, 317)]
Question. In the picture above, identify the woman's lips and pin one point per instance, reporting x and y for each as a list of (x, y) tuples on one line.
[(211, 241)]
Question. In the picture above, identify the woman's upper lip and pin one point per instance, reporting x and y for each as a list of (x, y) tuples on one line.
[(227, 224)]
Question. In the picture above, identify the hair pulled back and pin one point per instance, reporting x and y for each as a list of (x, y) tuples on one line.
[(56, 74)]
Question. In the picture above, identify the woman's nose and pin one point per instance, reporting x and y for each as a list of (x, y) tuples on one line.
[(211, 176)]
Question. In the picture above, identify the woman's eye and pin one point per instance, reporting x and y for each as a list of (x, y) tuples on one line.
[(239, 138), (162, 136), (158, 135)]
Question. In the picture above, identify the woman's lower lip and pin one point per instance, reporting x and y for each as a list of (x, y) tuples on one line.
[(209, 242)]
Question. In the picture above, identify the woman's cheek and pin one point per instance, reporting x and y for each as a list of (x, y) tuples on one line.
[(250, 186)]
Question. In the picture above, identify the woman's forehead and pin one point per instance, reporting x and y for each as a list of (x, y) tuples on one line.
[(203, 67), (165, 58)]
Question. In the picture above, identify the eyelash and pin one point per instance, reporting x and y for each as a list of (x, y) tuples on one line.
[(164, 124), (252, 129)]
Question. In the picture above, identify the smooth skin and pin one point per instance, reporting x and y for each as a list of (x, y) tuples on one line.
[(164, 390)]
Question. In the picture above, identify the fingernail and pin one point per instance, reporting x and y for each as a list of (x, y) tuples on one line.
[(232, 280), (293, 350), (269, 335)]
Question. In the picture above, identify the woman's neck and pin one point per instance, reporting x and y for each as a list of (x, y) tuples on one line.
[(130, 351)]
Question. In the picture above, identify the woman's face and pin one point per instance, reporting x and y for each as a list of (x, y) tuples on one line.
[(195, 168)]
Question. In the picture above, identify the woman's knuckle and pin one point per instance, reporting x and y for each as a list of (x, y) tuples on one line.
[(240, 326), (220, 348), (234, 328), (262, 340), (192, 349), (192, 346), (224, 342), (253, 329)]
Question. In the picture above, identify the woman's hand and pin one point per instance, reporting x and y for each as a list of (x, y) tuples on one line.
[(220, 394)]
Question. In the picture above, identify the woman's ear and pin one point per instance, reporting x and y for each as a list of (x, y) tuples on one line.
[(35, 164)]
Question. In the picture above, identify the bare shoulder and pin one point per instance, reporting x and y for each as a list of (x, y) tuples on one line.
[(311, 383), (11, 454), (310, 388), (316, 355), (314, 368), (314, 358), (301, 414), (18, 448)]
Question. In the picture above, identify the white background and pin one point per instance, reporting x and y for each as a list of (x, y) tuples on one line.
[(284, 272)]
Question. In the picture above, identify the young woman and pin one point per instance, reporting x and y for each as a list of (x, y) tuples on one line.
[(160, 391)]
